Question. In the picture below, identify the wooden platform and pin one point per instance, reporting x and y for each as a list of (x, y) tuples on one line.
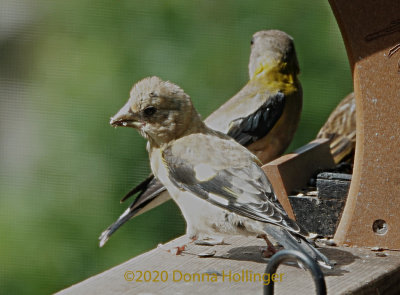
[(358, 271)]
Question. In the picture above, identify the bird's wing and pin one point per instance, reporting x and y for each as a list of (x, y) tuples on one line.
[(149, 191), (141, 187), (244, 190), (340, 127), (343, 147), (255, 126)]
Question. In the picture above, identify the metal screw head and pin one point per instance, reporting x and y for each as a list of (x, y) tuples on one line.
[(380, 227)]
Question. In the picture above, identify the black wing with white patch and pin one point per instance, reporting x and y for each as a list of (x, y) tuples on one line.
[(247, 130), (243, 190)]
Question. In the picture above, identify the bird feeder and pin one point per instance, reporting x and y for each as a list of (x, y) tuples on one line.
[(371, 215)]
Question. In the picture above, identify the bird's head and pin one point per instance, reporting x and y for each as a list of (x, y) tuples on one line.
[(272, 48), (160, 110)]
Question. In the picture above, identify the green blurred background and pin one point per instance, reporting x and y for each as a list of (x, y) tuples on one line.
[(67, 66)]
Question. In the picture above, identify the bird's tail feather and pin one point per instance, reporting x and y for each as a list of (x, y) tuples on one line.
[(290, 241), (153, 196), (105, 235)]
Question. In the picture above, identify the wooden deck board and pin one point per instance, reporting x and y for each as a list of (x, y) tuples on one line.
[(358, 271)]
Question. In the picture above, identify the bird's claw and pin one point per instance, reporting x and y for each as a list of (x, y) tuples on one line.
[(175, 250)]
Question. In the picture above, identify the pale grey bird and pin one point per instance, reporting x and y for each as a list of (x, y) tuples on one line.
[(263, 115), (217, 183)]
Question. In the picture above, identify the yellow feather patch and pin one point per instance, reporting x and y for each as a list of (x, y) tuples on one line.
[(271, 75)]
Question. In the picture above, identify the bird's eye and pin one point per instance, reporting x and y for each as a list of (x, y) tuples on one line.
[(252, 41), (149, 111)]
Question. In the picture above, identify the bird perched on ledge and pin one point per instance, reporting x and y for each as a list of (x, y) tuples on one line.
[(263, 115), (217, 183), (341, 129)]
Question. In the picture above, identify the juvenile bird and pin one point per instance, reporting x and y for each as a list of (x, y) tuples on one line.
[(263, 115), (217, 183), (341, 129)]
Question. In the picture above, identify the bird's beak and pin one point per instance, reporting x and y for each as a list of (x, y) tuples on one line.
[(125, 117)]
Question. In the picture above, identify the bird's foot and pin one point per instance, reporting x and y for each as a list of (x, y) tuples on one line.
[(178, 249), (269, 250), (174, 250)]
